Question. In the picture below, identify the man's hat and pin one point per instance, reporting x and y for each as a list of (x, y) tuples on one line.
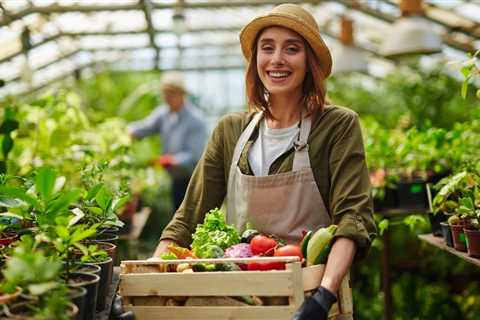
[(173, 81)]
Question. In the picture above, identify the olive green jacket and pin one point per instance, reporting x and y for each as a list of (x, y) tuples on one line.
[(338, 162)]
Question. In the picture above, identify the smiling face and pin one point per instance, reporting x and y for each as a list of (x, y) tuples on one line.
[(281, 61)]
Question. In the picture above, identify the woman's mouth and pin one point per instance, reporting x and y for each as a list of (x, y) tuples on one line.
[(278, 76)]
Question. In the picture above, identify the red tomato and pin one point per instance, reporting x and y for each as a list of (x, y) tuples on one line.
[(261, 244), (264, 266), (288, 250)]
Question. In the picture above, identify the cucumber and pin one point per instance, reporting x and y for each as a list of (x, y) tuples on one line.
[(304, 243), (319, 240)]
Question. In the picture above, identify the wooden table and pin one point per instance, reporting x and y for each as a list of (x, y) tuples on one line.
[(439, 243)]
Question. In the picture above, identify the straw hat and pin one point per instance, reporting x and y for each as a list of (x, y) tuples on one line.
[(173, 81), (293, 17)]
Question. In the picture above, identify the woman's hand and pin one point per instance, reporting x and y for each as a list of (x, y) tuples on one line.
[(162, 248), (317, 306)]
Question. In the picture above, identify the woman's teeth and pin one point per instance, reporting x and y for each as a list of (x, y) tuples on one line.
[(277, 74)]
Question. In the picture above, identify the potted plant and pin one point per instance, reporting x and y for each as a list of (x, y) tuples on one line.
[(469, 209), (458, 236), (447, 202), (96, 256), (39, 277)]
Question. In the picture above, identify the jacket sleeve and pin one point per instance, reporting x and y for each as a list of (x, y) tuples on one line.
[(149, 125), (351, 203), (206, 190)]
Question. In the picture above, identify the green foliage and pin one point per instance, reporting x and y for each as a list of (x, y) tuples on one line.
[(213, 232), (7, 126), (30, 269), (408, 97), (105, 92), (460, 194), (470, 70)]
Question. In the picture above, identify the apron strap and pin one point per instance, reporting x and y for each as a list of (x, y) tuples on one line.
[(242, 141), (301, 159)]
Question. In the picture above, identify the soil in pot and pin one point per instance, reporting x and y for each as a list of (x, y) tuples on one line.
[(87, 268), (7, 238), (104, 237), (90, 282), (473, 242), (22, 311), (447, 234), (458, 236)]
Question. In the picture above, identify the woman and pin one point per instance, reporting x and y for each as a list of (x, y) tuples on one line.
[(292, 163)]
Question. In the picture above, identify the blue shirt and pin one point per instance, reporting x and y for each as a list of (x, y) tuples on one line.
[(183, 134)]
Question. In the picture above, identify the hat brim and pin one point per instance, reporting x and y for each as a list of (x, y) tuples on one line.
[(249, 33)]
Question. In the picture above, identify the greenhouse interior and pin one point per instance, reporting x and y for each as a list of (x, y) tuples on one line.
[(117, 151)]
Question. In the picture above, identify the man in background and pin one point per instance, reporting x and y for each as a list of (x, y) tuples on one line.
[(182, 131)]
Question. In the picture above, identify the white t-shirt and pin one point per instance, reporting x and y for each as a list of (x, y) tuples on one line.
[(270, 144)]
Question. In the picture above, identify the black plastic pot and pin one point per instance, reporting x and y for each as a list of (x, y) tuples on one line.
[(106, 274), (389, 200), (77, 296), (104, 237), (412, 195), (435, 219), (447, 234), (88, 268), (109, 230), (90, 282)]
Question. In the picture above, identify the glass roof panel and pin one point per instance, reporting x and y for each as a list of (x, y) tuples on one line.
[(204, 39)]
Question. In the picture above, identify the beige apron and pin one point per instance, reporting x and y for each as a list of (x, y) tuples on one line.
[(282, 204)]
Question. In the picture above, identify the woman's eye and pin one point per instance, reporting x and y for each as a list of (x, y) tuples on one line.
[(267, 48), (292, 49)]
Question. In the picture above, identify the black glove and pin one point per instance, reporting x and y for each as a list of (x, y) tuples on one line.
[(317, 306)]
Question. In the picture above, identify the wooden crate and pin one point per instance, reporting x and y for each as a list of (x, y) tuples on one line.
[(149, 292)]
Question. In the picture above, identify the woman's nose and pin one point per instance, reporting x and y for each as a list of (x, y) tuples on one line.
[(277, 57)]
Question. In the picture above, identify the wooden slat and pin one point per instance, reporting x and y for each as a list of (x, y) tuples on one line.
[(345, 296), (440, 243), (297, 283), (236, 283), (209, 313)]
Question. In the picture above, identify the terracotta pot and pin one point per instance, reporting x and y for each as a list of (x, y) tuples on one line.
[(447, 234), (7, 238), (9, 297), (473, 242), (459, 241)]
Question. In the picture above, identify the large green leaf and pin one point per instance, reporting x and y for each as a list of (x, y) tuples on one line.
[(9, 202), (104, 198), (7, 145), (93, 191), (8, 126), (45, 182), (3, 166), (41, 288), (17, 193), (63, 201), (81, 234), (119, 203)]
